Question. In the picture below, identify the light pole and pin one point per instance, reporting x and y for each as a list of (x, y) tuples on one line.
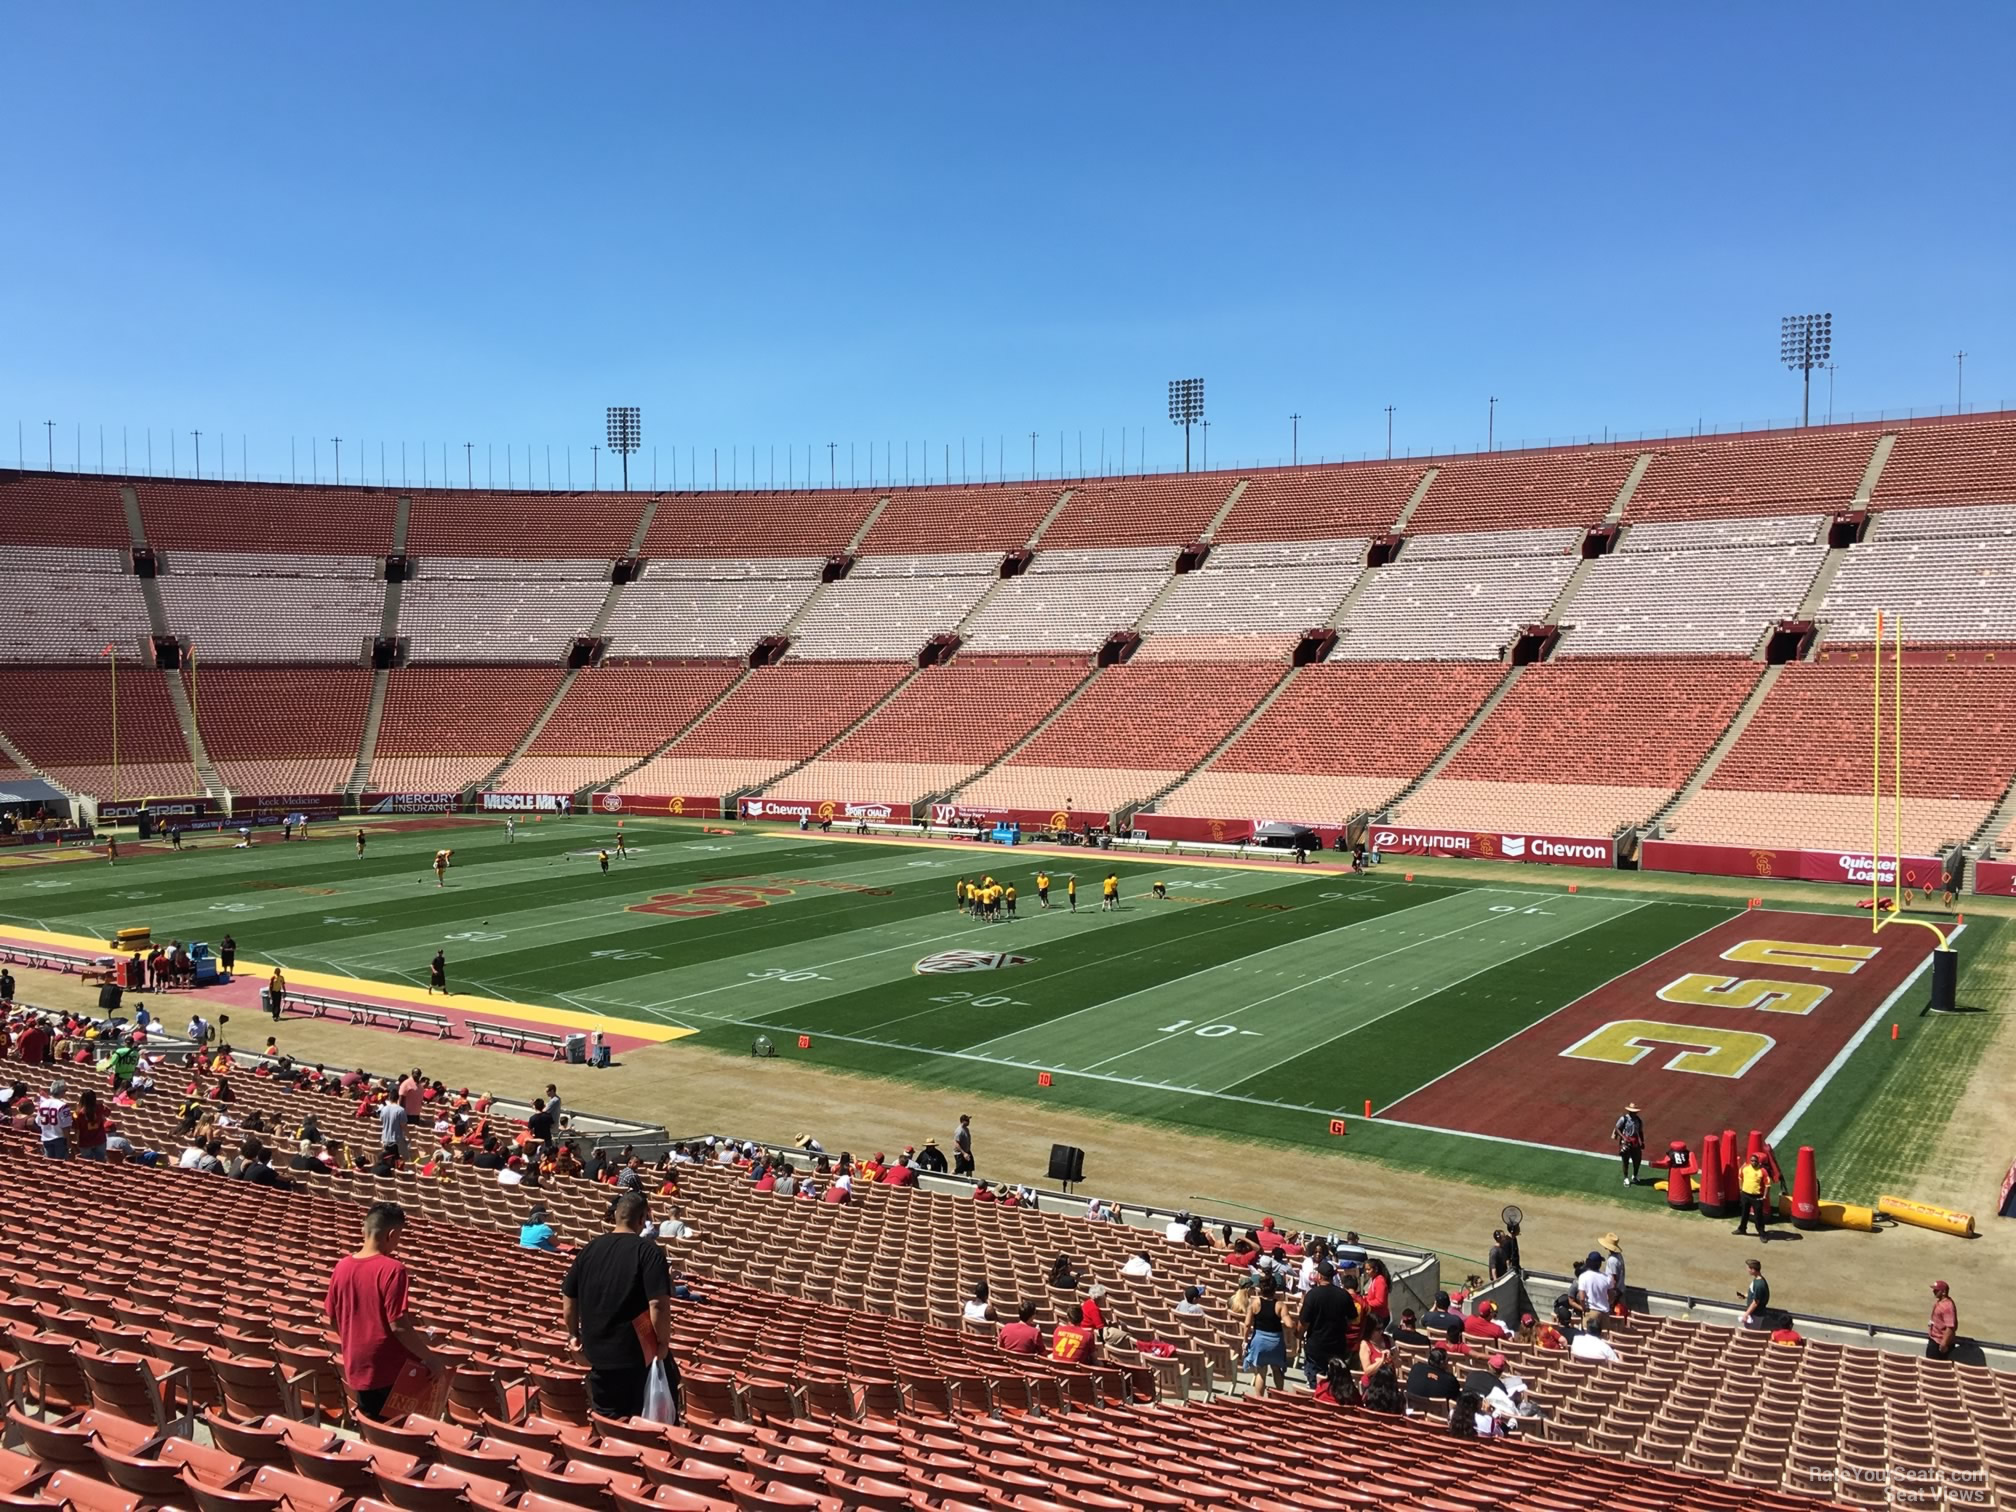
[(832, 464), (626, 430), (1389, 433), (594, 468), (1032, 456), (49, 429), (1804, 343), (1959, 381), (1491, 426), (468, 464), (1294, 438), (1830, 391), (337, 442), (1186, 408), (1205, 426), (197, 436)]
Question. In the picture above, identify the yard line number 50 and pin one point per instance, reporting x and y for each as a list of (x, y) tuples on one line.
[(1717, 1049)]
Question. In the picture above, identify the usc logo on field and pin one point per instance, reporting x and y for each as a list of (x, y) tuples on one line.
[(825, 811), (1761, 861), (677, 806), (1218, 830), (1060, 820)]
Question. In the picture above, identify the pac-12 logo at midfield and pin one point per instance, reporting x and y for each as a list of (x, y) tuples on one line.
[(947, 961)]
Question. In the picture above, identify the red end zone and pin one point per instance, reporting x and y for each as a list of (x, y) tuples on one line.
[(1730, 1030)]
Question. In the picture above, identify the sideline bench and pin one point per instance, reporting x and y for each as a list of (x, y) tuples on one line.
[(69, 962), (320, 1005), (516, 1036)]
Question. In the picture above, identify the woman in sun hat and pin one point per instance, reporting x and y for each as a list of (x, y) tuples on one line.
[(1612, 1249), (1629, 1132)]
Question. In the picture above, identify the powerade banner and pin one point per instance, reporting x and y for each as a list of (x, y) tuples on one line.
[(1997, 878), (160, 808), (1791, 865), (1028, 818), (823, 810), (527, 803), (657, 805), (411, 803), (1490, 845)]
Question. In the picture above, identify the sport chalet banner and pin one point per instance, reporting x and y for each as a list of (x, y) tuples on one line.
[(527, 803), (1789, 865), (1491, 845), (1183, 828), (822, 810), (1028, 818), (658, 805), (1997, 878)]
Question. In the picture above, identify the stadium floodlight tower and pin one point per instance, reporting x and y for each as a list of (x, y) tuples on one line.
[(626, 429), (1186, 408), (1806, 342)]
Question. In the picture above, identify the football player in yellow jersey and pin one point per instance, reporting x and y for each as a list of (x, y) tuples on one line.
[(1008, 896), (1043, 888), (441, 859), (1109, 892), (1071, 891), (1161, 888), (959, 894)]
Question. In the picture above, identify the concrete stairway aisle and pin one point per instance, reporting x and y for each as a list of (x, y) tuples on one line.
[(1037, 729), (532, 734), (879, 705), (1873, 473), (19, 757), (1630, 486), (1049, 519), (652, 755), (1147, 805), (1568, 591), (1716, 752), (1414, 499), (1448, 752), (367, 746), (1982, 841), (1224, 511), (185, 716), (854, 546)]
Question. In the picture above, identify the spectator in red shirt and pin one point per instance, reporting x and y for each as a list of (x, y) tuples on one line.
[(1483, 1324), (898, 1175), (1266, 1238), (32, 1049), (839, 1189), (984, 1193), (1073, 1342), (1022, 1336), (366, 1302), (1943, 1332)]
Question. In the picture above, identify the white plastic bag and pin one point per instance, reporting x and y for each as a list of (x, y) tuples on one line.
[(660, 1406)]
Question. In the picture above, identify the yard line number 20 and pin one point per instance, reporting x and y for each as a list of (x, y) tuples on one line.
[(1719, 1050)]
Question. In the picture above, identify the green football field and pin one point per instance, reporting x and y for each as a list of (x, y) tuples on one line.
[(1257, 1002)]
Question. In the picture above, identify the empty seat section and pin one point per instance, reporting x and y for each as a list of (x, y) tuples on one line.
[(1659, 536), (496, 610), (1944, 590), (709, 607), (1513, 490), (272, 729), (1586, 747), (611, 717), (1069, 600), (1477, 545), (960, 519), (810, 523), (1135, 728), (64, 603), (1648, 602), (1946, 463), (61, 719), (1453, 609), (278, 518), (1783, 473), (1339, 740), (945, 725), (776, 718), (1173, 510), (889, 606), (47, 509), (480, 523), (445, 727), (249, 606), (1799, 775), (1316, 503), (1932, 522), (1263, 595)]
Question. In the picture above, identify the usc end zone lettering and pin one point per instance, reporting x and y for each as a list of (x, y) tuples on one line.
[(705, 902), (1716, 1050)]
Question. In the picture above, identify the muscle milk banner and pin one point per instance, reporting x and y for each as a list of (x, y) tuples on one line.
[(527, 803), (823, 810), (1490, 845), (657, 805), (1790, 865)]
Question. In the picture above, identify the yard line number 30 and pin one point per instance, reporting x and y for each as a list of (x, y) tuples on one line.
[(1717, 1050)]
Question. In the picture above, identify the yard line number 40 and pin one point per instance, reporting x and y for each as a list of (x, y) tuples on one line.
[(1717, 1050)]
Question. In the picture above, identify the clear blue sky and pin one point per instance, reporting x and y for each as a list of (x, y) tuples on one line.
[(788, 224)]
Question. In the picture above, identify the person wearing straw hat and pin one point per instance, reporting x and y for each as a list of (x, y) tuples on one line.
[(1629, 1132), (1612, 1249)]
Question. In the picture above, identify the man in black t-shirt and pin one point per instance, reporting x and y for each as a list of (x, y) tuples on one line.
[(1433, 1378), (618, 1294), (541, 1122), (1329, 1323)]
